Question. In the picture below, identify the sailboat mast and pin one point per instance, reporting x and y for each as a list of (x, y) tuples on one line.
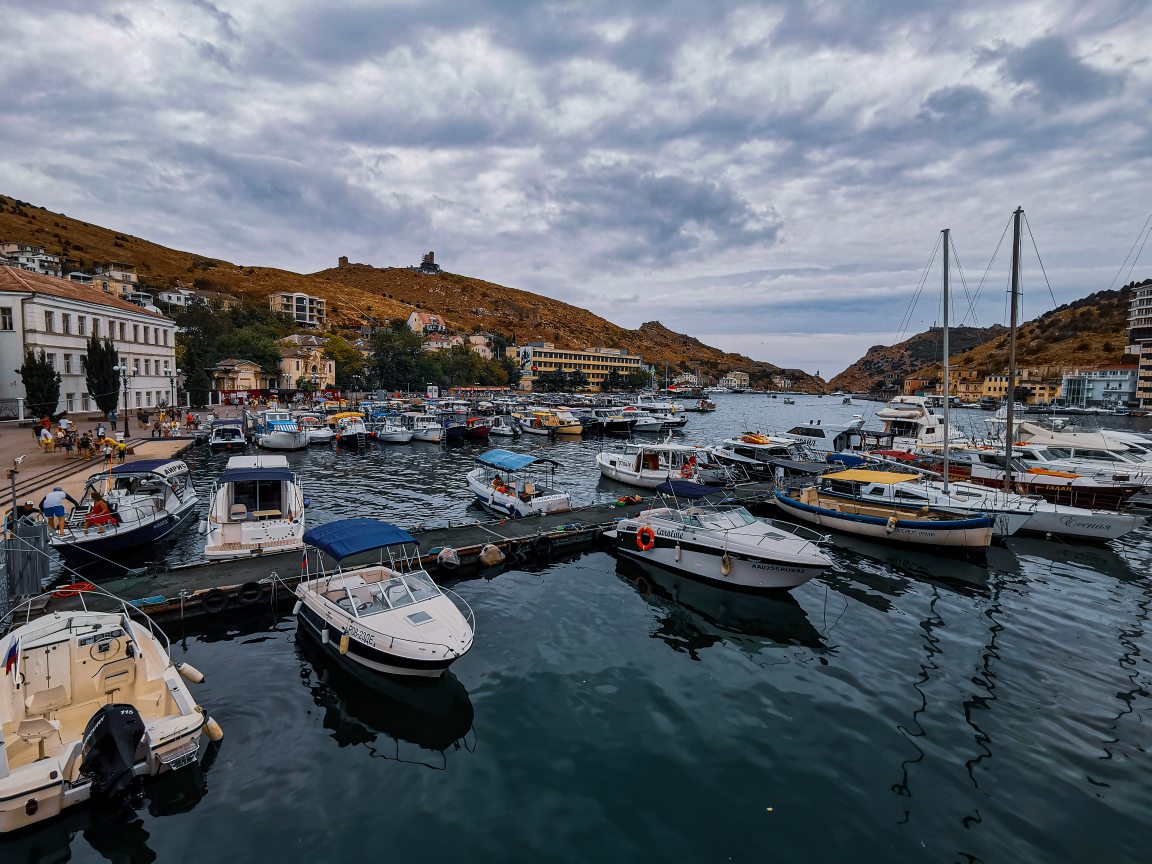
[(1010, 428), (947, 387)]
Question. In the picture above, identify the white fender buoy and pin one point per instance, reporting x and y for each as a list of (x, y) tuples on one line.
[(299, 605), (190, 673), (212, 730), (202, 528), (448, 558), (324, 636), (891, 526), (726, 564), (345, 641), (677, 551)]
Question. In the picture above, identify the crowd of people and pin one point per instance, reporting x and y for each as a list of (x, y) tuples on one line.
[(65, 437)]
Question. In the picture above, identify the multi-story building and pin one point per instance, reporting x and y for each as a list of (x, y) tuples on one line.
[(536, 358), (117, 278), (965, 384), (31, 258), (1039, 386), (735, 380), (481, 344), (920, 385), (686, 379), (305, 310), (302, 356), (441, 342), (1140, 341), (425, 323), (240, 378), (58, 316), (1104, 385)]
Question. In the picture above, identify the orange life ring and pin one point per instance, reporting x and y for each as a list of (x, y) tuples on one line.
[(645, 538), (686, 470)]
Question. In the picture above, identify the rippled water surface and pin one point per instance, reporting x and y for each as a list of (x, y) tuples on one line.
[(903, 708)]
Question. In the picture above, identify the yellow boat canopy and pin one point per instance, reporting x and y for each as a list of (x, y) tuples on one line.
[(345, 414), (863, 475)]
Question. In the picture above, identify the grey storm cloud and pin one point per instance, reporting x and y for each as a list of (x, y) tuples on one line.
[(744, 167)]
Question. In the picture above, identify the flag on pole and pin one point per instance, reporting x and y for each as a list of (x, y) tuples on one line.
[(304, 562), (12, 657)]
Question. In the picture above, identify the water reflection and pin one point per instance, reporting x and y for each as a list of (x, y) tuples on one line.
[(890, 564), (434, 714), (114, 833), (698, 616)]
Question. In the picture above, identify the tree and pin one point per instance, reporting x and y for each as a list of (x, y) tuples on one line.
[(614, 380), (348, 359), (550, 382), (638, 379), (41, 383), (305, 384), (100, 372)]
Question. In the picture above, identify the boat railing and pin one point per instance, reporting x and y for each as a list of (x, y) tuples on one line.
[(804, 533)]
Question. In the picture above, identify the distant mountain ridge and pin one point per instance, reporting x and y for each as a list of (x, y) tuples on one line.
[(884, 364), (358, 292)]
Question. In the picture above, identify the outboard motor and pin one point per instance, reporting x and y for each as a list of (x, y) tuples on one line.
[(108, 753)]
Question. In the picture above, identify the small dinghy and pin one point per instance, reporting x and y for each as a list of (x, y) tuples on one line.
[(227, 436), (389, 617)]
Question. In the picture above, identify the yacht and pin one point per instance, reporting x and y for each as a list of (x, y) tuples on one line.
[(278, 430), (649, 465), (670, 414), (391, 429), (832, 437), (513, 484), (89, 700), (146, 501), (721, 544), (765, 457), (387, 617), (257, 507), (642, 421), (911, 423)]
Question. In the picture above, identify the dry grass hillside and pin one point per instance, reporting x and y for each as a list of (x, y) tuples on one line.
[(359, 292), (893, 362)]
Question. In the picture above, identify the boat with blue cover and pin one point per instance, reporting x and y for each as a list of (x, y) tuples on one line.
[(836, 502), (278, 430), (389, 616), (128, 507), (512, 484)]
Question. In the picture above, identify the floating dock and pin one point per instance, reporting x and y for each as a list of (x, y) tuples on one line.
[(185, 591)]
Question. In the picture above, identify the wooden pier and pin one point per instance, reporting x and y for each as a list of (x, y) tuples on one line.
[(187, 591)]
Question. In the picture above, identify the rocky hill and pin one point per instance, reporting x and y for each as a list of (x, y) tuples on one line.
[(357, 293), (893, 362)]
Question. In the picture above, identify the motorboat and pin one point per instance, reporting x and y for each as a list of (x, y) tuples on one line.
[(649, 465), (424, 427), (257, 507), (389, 617), (143, 502), (615, 421), (511, 484), (278, 430), (318, 432), (722, 544), (788, 400), (227, 436), (642, 421), (391, 429), (504, 426), (477, 428), (912, 423), (832, 437), (670, 414), (835, 503), (768, 457), (89, 700), (350, 429), (702, 406), (531, 423)]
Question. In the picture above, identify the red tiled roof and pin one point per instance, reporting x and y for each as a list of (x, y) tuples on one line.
[(13, 279)]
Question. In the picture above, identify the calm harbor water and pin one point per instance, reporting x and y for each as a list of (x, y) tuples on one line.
[(904, 707)]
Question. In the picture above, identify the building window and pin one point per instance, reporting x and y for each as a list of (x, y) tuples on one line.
[(149, 396), (67, 364), (81, 325), (123, 331), (167, 335), (85, 404), (65, 323), (52, 360), (69, 402), (49, 322), (5, 317), (147, 363), (136, 366), (135, 332), (146, 329), (96, 327), (137, 398)]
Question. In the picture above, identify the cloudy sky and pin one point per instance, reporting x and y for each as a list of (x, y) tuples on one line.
[(770, 177)]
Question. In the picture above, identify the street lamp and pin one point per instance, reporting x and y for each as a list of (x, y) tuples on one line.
[(125, 374), (173, 383)]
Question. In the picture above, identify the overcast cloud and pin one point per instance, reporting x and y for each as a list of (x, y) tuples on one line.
[(768, 176)]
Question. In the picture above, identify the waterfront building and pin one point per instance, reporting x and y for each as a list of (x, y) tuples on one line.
[(536, 358), (302, 356), (233, 377), (58, 316), (1103, 385), (1037, 386), (686, 379), (920, 385), (304, 309), (1140, 341), (735, 380)]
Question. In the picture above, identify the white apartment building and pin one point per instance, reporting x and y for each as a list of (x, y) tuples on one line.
[(305, 309), (58, 316), (117, 278), (31, 258), (735, 380)]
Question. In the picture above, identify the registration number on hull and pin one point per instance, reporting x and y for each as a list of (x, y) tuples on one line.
[(362, 636)]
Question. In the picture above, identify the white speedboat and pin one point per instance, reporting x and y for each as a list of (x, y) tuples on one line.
[(649, 465), (319, 434), (386, 617), (721, 544), (765, 457), (425, 427), (143, 502), (88, 701), (504, 427), (836, 504), (257, 507), (642, 421), (511, 484), (277, 430), (227, 436), (389, 430)]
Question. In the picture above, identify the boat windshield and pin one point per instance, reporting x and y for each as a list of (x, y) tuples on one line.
[(394, 593), (736, 517)]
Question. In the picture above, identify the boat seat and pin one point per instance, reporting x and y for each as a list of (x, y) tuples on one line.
[(44, 701), (237, 513), (116, 675), (37, 730)]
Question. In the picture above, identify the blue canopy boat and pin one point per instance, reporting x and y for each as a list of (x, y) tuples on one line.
[(510, 484)]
